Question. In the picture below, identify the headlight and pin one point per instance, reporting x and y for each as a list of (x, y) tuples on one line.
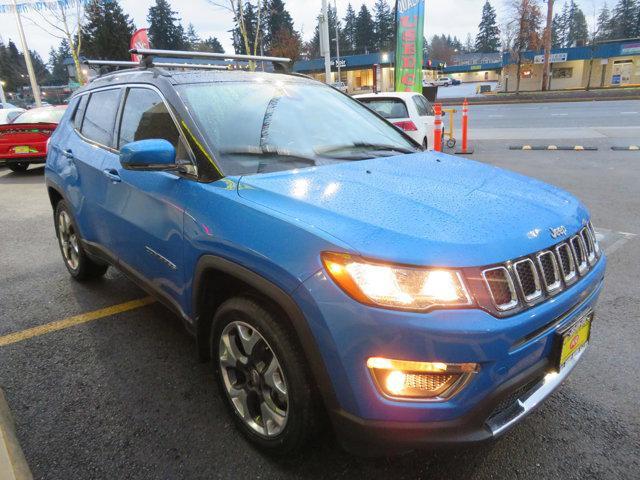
[(398, 287)]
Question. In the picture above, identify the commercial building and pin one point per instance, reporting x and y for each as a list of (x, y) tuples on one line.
[(608, 64)]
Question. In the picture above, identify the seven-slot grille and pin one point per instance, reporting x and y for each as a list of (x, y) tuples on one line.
[(528, 280)]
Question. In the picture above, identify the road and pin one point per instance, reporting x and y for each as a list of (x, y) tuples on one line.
[(125, 397)]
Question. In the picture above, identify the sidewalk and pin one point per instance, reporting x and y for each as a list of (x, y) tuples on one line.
[(627, 93), (13, 465)]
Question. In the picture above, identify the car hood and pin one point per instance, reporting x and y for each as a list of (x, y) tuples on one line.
[(422, 209)]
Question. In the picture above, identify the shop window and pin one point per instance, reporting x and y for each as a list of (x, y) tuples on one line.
[(526, 73), (561, 72)]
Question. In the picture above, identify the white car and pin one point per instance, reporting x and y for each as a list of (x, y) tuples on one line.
[(408, 111), (340, 86), (7, 115)]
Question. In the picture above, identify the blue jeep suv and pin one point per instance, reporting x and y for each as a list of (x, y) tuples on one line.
[(335, 274)]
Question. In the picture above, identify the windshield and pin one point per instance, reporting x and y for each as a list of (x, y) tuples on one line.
[(262, 126), (387, 107), (40, 115)]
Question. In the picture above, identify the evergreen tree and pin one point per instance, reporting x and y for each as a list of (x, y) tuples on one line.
[(577, 32), (277, 19), (350, 28), (488, 39), (603, 24), (365, 31), (165, 30), (625, 19), (384, 25), (191, 37), (59, 74), (107, 32), (211, 44), (469, 46)]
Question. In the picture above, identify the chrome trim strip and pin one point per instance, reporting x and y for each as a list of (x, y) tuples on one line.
[(514, 297), (536, 280), (571, 275), (555, 286), (588, 241), (582, 266), (524, 406)]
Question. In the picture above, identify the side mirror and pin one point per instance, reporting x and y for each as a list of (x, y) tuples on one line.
[(156, 155)]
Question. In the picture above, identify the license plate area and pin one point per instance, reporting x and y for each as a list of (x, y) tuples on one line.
[(22, 149), (573, 339)]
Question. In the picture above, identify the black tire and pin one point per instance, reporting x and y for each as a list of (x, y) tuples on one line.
[(78, 263), (451, 143), (18, 167), (302, 407)]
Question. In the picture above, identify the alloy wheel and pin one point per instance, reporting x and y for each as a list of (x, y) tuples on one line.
[(253, 379), (68, 240)]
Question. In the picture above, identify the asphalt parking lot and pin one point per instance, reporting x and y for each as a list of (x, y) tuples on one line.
[(121, 394)]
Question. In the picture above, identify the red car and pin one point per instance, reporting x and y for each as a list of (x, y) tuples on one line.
[(24, 140)]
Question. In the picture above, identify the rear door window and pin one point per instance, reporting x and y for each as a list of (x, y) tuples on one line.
[(79, 113), (424, 109), (145, 116), (100, 116), (387, 107)]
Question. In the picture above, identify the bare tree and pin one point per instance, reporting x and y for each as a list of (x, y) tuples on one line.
[(236, 7), (524, 19), (64, 21)]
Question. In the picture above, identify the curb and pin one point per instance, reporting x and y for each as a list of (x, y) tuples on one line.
[(575, 148), (630, 148), (13, 465)]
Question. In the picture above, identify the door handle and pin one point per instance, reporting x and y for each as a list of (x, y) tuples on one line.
[(112, 175), (68, 153)]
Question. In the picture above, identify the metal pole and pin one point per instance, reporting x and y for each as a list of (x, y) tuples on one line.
[(3, 99), (325, 42), (337, 43), (547, 47), (35, 89)]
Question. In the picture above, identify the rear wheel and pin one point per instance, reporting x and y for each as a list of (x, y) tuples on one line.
[(78, 263), (263, 376), (18, 167)]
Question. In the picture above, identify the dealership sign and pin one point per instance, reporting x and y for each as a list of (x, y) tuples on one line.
[(409, 45), (553, 58), (140, 39)]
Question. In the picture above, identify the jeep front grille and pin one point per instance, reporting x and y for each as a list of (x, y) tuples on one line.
[(525, 281)]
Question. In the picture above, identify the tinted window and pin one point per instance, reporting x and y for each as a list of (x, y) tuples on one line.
[(421, 105), (77, 118), (100, 116), (145, 116), (387, 107)]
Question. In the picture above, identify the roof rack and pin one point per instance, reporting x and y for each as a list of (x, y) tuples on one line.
[(131, 64), (147, 54)]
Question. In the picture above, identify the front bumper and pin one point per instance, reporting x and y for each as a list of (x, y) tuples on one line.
[(515, 356)]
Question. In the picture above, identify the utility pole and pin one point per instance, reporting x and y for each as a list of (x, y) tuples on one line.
[(3, 99), (546, 68), (335, 6), (325, 43), (35, 89)]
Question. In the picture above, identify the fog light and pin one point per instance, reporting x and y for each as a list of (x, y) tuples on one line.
[(419, 380)]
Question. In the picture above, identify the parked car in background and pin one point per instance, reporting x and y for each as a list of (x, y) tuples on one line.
[(24, 140), (444, 81), (340, 86), (455, 81), (409, 111), (7, 115), (7, 105)]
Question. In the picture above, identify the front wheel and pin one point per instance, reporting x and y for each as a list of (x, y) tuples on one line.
[(18, 167), (78, 263), (262, 373)]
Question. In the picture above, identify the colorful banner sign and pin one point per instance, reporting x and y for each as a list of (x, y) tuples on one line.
[(139, 39), (409, 45), (7, 6), (630, 49)]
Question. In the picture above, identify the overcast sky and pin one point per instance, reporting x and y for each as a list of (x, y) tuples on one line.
[(454, 17)]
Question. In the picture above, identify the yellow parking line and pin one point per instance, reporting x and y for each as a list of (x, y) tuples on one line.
[(73, 321)]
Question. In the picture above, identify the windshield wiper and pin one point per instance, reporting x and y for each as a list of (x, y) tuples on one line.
[(372, 147), (277, 153)]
